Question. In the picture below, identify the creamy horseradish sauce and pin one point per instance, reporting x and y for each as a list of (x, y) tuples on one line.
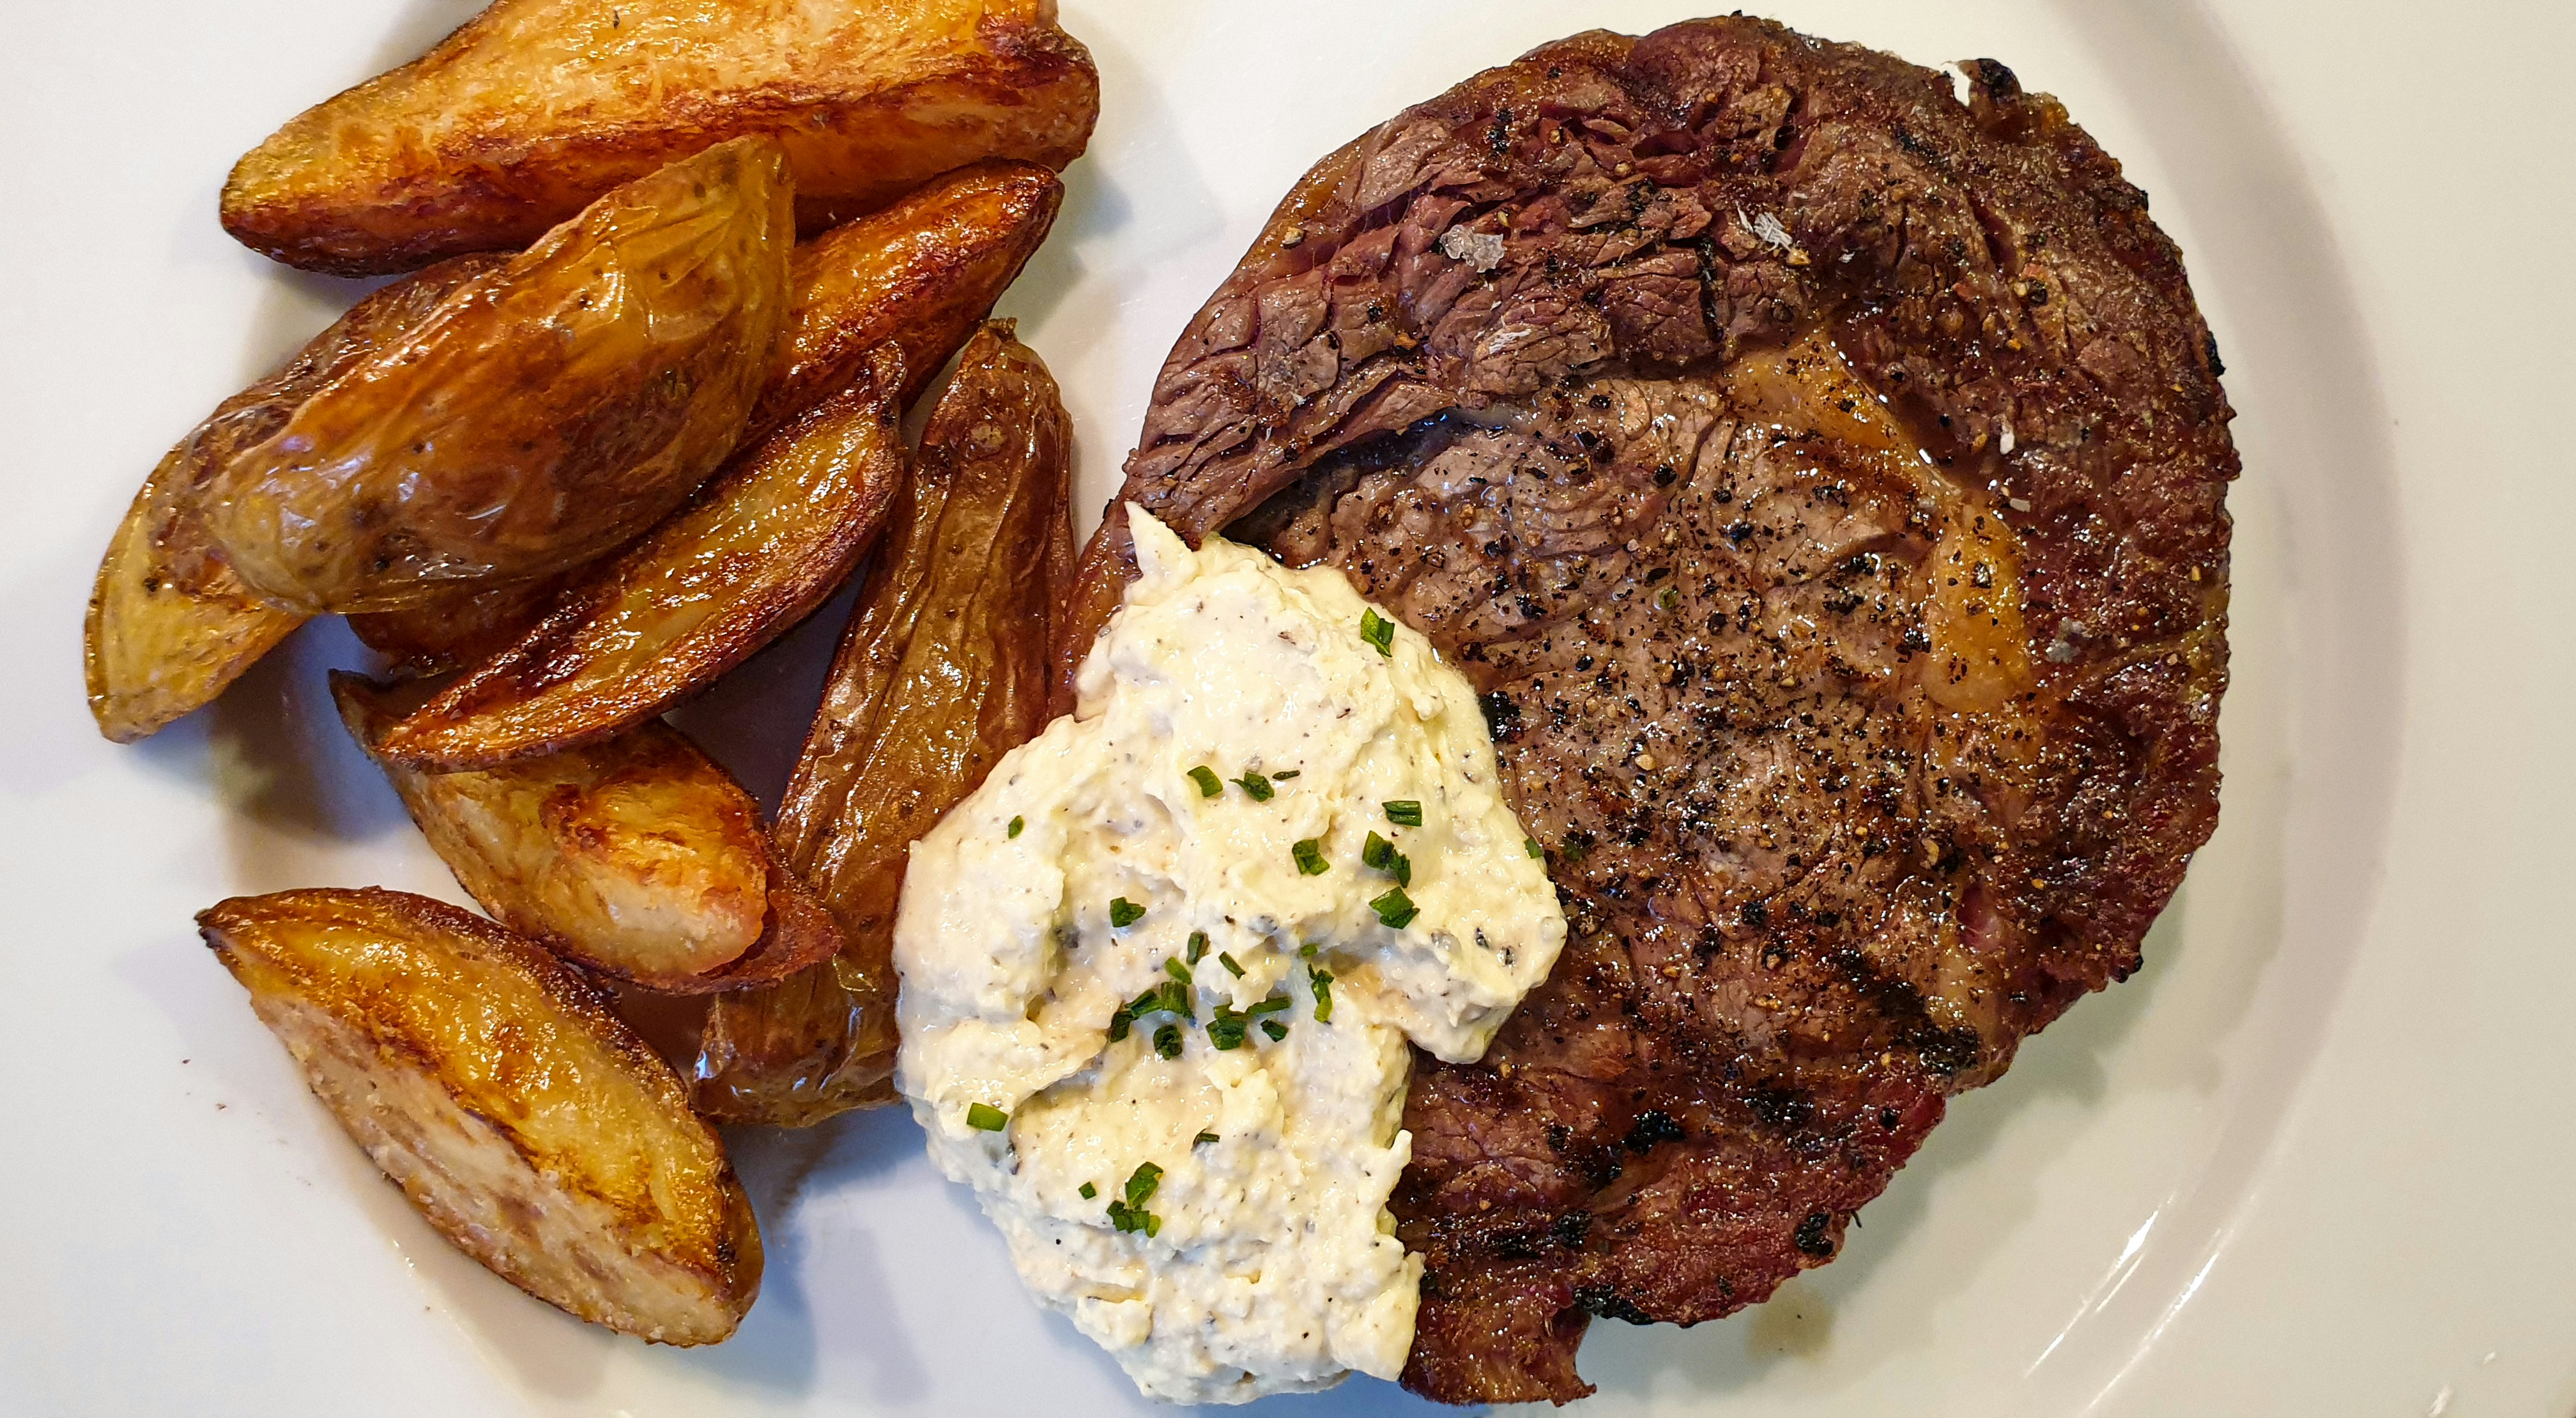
[(1160, 970)]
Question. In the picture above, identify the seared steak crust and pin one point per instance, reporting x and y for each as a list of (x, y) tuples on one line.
[(1823, 481)]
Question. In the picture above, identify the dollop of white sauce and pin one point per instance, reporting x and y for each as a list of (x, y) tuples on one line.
[(1263, 1258)]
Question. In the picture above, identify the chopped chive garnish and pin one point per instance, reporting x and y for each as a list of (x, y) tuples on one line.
[(1177, 970), (1306, 952), (1381, 854), (1404, 812), (1167, 1041), (1530, 845), (1141, 1183), (1309, 853), (1667, 598), (1124, 913), (1272, 1005), (1203, 1137), (1016, 824), (1378, 631), (1133, 1218), (1198, 946), (1276, 1030), (1395, 908), (1256, 786), (984, 1117), (1322, 980), (1225, 1031), (1227, 960), (1284, 777), (1120, 1023), (1089, 1191), (1175, 996), (1209, 784)]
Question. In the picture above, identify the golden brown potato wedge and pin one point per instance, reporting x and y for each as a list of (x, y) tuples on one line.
[(638, 857), (543, 414), (942, 671), (488, 1080), (782, 531), (536, 107), (169, 623), (919, 274), (690, 602)]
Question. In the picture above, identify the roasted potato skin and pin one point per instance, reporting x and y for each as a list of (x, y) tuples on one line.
[(536, 107), (531, 1127), (919, 274), (459, 626), (543, 414), (169, 622), (943, 670), (638, 858), (775, 538)]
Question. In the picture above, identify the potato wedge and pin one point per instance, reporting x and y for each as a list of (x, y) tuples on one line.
[(169, 623), (536, 107), (536, 1132), (784, 529), (919, 273), (639, 857), (545, 413), (942, 671)]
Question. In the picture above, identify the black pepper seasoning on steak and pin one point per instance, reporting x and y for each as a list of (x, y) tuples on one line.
[(1822, 481)]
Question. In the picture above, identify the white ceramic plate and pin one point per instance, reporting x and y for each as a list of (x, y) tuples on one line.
[(2310, 1161)]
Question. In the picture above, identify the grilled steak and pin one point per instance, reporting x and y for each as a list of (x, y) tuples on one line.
[(1822, 479)]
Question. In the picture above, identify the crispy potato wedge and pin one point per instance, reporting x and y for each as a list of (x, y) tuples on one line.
[(942, 671), (695, 598), (536, 107), (639, 857), (919, 274), (692, 600), (536, 1132), (169, 623), (543, 414)]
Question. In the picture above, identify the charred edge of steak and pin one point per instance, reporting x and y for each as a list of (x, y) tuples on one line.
[(1823, 482)]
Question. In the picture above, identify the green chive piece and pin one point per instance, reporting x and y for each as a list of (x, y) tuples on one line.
[(1089, 1191), (1378, 631), (1167, 1041), (1382, 855), (1276, 1030), (984, 1117), (1272, 1005), (1203, 1137), (1147, 1002), (1395, 909), (1120, 1023), (1141, 1183), (1256, 786), (1231, 968), (1177, 970), (1530, 845), (1016, 824), (1284, 777), (1404, 812), (1133, 1218), (1198, 946), (1305, 952), (1153, 1225), (1309, 853), (1209, 784), (1667, 598), (1225, 1031), (1322, 980), (1124, 913)]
